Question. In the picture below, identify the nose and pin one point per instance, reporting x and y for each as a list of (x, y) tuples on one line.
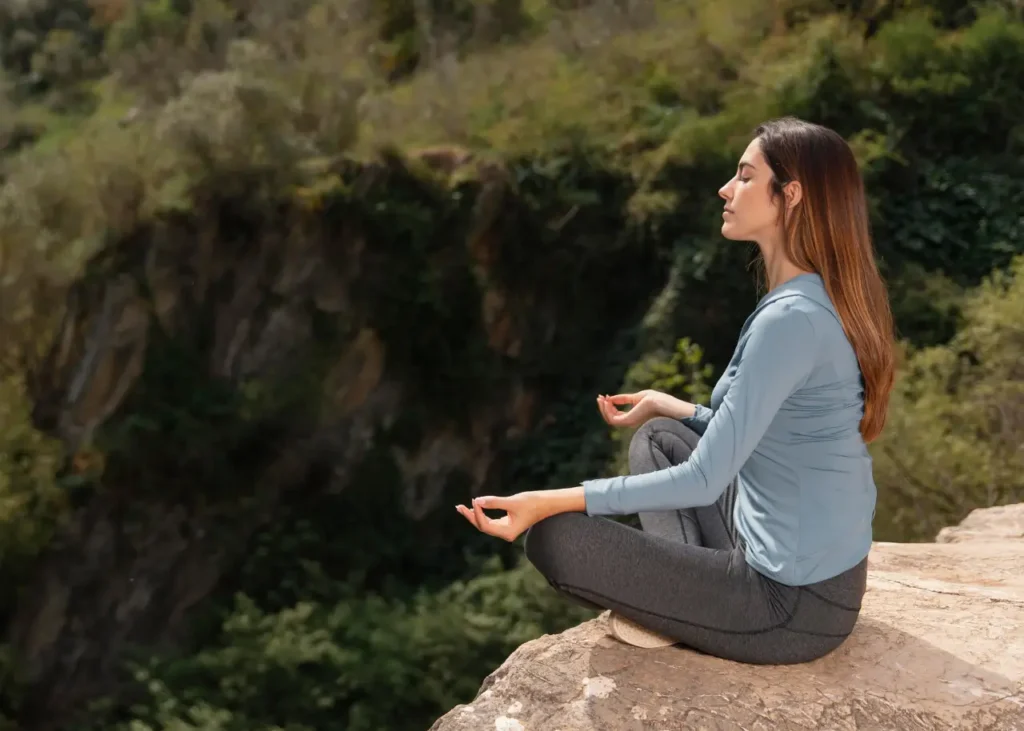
[(725, 191)]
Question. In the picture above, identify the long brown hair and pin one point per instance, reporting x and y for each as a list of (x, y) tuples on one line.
[(828, 233)]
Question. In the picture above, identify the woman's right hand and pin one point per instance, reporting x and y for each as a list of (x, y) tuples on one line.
[(645, 405)]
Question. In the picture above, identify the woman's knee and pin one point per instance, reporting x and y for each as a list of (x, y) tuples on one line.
[(551, 543), (660, 440)]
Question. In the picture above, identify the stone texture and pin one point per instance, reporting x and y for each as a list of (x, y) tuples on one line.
[(939, 645), (988, 524)]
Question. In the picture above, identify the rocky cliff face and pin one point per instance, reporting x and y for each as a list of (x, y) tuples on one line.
[(939, 646), (210, 364)]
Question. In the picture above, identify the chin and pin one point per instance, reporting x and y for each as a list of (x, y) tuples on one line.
[(730, 233)]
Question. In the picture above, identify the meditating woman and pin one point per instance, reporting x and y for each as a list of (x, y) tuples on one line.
[(757, 510)]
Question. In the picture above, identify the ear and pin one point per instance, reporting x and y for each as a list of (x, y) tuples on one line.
[(794, 193)]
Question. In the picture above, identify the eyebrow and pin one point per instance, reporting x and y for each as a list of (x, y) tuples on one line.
[(746, 165)]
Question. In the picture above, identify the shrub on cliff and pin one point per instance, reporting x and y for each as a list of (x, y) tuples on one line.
[(361, 663), (956, 423)]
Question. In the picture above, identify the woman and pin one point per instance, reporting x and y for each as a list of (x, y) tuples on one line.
[(756, 512)]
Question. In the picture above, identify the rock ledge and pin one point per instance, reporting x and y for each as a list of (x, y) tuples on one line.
[(940, 645)]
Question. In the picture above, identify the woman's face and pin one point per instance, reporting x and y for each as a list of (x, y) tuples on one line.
[(750, 214)]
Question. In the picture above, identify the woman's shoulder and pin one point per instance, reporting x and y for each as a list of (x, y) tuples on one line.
[(790, 311), (803, 299)]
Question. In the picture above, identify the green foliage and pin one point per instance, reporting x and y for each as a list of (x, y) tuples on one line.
[(929, 84), (145, 22), (952, 442), (257, 119), (416, 34), (681, 373), (248, 132), (48, 44), (33, 505), (31, 500), (363, 664), (926, 304), (953, 216), (49, 54)]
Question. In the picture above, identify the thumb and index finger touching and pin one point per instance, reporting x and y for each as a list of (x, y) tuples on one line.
[(480, 520), (607, 406)]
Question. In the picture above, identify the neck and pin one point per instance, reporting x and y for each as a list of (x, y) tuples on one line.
[(777, 267)]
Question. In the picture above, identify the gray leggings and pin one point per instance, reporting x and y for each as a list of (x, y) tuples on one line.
[(684, 575)]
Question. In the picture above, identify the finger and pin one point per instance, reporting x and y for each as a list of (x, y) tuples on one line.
[(493, 503), (608, 412), (482, 521), (613, 416), (624, 398), (498, 527), (468, 515), (502, 528)]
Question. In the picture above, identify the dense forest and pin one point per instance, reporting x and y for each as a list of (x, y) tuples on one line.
[(281, 281)]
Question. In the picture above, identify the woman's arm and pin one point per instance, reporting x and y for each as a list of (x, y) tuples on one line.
[(777, 358), (695, 416), (675, 408)]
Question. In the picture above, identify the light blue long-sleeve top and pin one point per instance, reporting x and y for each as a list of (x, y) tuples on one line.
[(785, 421)]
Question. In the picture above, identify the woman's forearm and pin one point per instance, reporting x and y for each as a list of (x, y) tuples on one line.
[(564, 500), (573, 499), (675, 408)]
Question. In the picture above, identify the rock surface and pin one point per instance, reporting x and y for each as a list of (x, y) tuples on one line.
[(991, 524), (939, 645)]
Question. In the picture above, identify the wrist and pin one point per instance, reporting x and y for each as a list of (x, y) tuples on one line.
[(563, 500), (676, 408)]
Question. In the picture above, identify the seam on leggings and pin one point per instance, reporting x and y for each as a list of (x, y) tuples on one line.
[(837, 605), (683, 518), (781, 625), (650, 447)]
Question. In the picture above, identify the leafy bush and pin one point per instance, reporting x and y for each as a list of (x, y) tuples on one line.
[(31, 500), (33, 505), (956, 423), (682, 374), (363, 664)]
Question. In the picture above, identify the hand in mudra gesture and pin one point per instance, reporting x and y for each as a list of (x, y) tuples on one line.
[(521, 512), (644, 405)]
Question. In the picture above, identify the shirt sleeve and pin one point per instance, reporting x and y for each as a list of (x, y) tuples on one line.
[(700, 419), (776, 360)]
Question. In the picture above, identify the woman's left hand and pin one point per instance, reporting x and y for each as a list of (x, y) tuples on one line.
[(522, 511)]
